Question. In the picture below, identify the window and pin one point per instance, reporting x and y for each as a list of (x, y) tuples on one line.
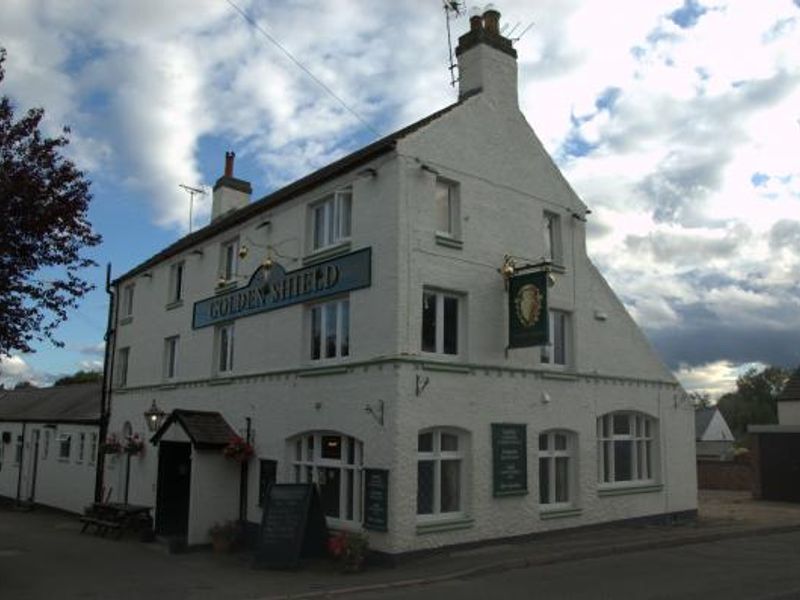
[(552, 238), (557, 351), (333, 462), (127, 300), (625, 447), (46, 449), (175, 283), (330, 330), (225, 348), (447, 208), (81, 447), (440, 485), (439, 322), (18, 450), (170, 357), (556, 468), (227, 262), (330, 219), (64, 446), (122, 366), (93, 448)]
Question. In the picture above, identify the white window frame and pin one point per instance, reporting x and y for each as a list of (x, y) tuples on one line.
[(92, 448), (223, 357), (171, 357), (19, 449), (551, 454), (335, 215), (553, 349), (341, 307), (123, 364), (642, 437), (551, 235), (439, 298), (229, 260), (452, 228), (128, 292), (308, 465), (176, 280), (437, 456), (62, 439)]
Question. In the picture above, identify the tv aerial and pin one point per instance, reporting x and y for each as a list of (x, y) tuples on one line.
[(192, 191), (452, 10)]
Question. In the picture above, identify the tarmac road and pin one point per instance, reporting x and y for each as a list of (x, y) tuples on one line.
[(758, 568)]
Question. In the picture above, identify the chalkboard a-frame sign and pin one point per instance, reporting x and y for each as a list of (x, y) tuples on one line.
[(292, 525)]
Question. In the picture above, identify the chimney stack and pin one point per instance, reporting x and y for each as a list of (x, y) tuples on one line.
[(487, 61), (230, 193)]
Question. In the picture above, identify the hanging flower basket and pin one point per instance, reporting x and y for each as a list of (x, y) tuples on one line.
[(112, 445), (134, 445), (238, 449)]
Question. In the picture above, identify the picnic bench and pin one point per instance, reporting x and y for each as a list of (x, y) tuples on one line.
[(116, 516)]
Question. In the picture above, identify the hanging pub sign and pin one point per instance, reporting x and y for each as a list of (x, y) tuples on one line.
[(527, 310), (273, 288)]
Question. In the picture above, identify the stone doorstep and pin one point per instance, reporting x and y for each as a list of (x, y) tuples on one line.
[(574, 549)]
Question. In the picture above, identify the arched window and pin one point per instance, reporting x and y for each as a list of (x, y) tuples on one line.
[(625, 447), (333, 461), (440, 472), (556, 468)]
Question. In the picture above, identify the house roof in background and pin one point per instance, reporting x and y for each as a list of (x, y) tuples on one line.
[(702, 419), (791, 391), (77, 403)]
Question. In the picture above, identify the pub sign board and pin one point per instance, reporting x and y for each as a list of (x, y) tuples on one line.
[(275, 287), (376, 499), (528, 320), (509, 459)]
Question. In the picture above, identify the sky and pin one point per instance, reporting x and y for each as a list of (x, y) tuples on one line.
[(676, 121)]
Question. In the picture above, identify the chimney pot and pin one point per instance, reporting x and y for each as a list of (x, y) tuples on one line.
[(475, 22), (491, 20), (229, 156)]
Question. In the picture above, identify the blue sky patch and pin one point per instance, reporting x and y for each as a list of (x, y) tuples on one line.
[(576, 146), (608, 98), (688, 15), (759, 179)]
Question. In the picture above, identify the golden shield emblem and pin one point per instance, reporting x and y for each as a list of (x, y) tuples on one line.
[(528, 302)]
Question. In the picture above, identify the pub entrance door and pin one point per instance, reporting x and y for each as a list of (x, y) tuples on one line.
[(174, 484)]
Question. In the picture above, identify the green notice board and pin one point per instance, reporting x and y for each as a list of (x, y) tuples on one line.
[(376, 499), (509, 459)]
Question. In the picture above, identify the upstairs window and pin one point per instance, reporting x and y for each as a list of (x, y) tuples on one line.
[(228, 260), (127, 300), (170, 357), (440, 322), (225, 348), (175, 283), (447, 208), (123, 356), (330, 219), (552, 238), (557, 351), (330, 329), (625, 450)]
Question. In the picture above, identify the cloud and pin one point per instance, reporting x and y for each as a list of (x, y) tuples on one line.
[(97, 349), (714, 378), (14, 369)]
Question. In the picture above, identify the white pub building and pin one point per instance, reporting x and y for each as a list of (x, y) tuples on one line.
[(421, 312)]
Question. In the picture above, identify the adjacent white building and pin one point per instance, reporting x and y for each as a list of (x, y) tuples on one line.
[(49, 441), (713, 437), (358, 319)]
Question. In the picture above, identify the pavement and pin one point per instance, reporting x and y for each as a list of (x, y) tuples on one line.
[(85, 566)]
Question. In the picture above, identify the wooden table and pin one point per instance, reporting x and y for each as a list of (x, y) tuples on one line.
[(116, 516)]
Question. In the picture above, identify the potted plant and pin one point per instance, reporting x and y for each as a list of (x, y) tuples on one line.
[(134, 445), (350, 549), (238, 449), (112, 445), (224, 535)]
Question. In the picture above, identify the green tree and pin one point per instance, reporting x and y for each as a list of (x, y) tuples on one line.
[(80, 377), (754, 401), (44, 199)]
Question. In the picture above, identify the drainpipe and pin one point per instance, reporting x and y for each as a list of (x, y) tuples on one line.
[(21, 463), (243, 479), (105, 401)]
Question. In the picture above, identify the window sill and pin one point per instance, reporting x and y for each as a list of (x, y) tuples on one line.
[(175, 304), (323, 370), (623, 490), (169, 385), (126, 320), (327, 252), (445, 525), (445, 367), (557, 374), (445, 239), (221, 380), (559, 513)]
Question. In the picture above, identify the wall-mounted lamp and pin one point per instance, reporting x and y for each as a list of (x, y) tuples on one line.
[(154, 417), (508, 267), (422, 383), (376, 414), (243, 252)]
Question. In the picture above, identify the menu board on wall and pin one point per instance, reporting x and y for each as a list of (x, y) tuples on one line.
[(376, 499), (509, 459)]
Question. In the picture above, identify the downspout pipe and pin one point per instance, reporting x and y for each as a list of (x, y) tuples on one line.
[(108, 371), (21, 463)]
